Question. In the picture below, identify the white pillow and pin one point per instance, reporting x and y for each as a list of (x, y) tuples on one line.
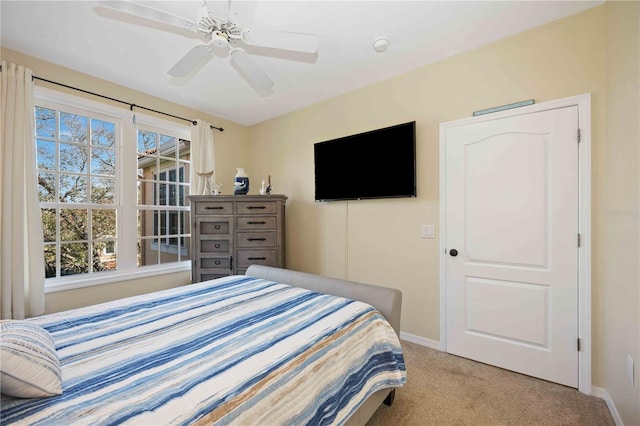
[(28, 361)]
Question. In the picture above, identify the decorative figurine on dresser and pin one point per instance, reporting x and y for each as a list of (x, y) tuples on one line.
[(231, 232)]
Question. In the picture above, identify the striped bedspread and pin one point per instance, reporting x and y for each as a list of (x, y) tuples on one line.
[(236, 350)]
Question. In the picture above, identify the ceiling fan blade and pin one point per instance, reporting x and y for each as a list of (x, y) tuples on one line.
[(252, 71), (300, 42), (194, 59), (146, 12)]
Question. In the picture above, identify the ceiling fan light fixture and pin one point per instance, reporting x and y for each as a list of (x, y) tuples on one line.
[(219, 39), (380, 45)]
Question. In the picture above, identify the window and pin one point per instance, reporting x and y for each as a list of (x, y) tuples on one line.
[(163, 217), (112, 191), (77, 180)]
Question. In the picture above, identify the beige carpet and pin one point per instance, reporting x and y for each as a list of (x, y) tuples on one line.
[(444, 389)]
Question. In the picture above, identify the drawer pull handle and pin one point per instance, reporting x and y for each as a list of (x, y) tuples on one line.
[(218, 245), (256, 258), (217, 226), (256, 207), (256, 223), (217, 262), (256, 239), (214, 208)]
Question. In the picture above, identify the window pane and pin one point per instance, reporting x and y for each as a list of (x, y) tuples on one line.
[(185, 222), (73, 189), (45, 122), (49, 261), (164, 223), (168, 140), (103, 162), (185, 248), (162, 201), (74, 225), (103, 190), (103, 133), (104, 256), (147, 142), (47, 186), (146, 193), (73, 158), (46, 155), (103, 223), (74, 258), (147, 219), (168, 147), (146, 166), (173, 194), (48, 217), (182, 190), (73, 127), (148, 252)]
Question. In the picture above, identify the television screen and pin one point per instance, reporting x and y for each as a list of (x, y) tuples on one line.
[(376, 164)]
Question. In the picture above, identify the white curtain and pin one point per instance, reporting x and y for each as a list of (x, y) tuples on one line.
[(21, 250), (202, 158)]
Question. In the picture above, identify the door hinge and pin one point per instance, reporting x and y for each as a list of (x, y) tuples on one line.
[(579, 240), (579, 345), (579, 136)]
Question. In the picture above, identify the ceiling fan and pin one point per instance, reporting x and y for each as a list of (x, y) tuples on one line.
[(216, 32)]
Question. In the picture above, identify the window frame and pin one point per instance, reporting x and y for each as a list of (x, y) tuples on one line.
[(127, 123)]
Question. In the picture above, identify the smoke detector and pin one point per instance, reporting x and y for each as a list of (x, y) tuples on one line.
[(380, 45)]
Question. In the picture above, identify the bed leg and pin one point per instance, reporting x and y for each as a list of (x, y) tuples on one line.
[(388, 401)]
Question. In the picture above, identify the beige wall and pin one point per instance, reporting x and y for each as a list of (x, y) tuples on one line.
[(379, 241), (620, 220), (232, 143)]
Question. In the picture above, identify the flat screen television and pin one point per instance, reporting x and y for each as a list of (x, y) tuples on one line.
[(375, 164)]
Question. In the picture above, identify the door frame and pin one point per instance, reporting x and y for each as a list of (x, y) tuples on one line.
[(583, 102)]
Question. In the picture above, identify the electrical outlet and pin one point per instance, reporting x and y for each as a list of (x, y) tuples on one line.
[(630, 372)]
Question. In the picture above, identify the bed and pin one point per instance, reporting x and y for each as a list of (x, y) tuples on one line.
[(272, 346)]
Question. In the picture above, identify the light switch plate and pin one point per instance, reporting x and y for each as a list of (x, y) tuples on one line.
[(428, 231)]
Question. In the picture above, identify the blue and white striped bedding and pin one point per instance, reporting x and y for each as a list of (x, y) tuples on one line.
[(236, 350)]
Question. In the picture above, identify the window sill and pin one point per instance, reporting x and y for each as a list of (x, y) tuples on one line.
[(53, 285)]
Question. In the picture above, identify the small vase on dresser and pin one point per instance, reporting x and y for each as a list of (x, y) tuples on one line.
[(241, 182)]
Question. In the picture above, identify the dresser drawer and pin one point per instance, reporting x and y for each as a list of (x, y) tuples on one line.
[(215, 263), (256, 207), (213, 207), (256, 239), (259, 222), (256, 257), (213, 227), (214, 246)]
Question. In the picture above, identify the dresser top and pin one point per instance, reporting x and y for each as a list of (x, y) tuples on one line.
[(272, 197)]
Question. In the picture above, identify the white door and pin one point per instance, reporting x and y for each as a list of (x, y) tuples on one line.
[(512, 217)]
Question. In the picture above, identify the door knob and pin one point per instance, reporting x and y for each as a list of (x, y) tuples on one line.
[(453, 252)]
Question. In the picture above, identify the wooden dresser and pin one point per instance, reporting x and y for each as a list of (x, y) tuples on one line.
[(231, 232)]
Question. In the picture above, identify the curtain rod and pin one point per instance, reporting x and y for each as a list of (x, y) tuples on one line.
[(131, 105)]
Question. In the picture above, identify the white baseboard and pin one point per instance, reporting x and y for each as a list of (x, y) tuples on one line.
[(422, 341), (604, 394)]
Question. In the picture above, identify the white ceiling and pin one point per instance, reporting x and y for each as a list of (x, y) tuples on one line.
[(72, 34)]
